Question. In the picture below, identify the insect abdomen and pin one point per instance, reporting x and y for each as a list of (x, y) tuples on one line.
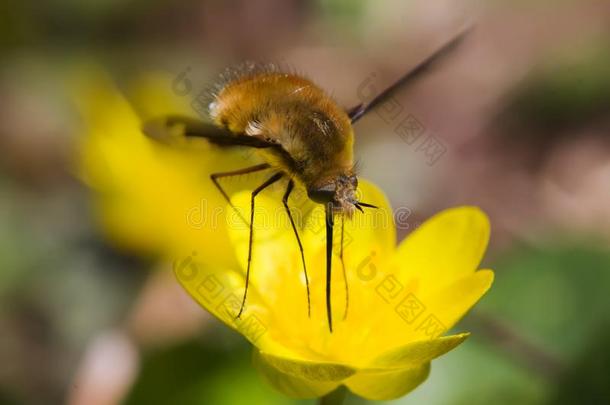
[(292, 111)]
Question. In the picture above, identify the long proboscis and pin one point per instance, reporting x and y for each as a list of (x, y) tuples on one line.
[(329, 263), (329, 254), (410, 77)]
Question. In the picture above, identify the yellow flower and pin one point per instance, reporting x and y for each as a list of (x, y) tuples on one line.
[(401, 301)]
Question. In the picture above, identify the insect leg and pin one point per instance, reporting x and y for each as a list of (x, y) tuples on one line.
[(296, 233), (260, 188), (344, 272), (329, 262), (215, 176)]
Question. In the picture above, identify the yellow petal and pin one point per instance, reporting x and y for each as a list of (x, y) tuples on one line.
[(419, 352), (416, 315), (300, 379), (445, 248), (370, 233), (309, 370), (151, 198), (448, 305), (386, 385), (152, 97), (219, 290)]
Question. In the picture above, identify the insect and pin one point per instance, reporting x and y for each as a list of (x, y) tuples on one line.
[(302, 135)]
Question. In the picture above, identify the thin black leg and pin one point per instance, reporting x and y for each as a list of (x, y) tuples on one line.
[(260, 188), (289, 189), (215, 176)]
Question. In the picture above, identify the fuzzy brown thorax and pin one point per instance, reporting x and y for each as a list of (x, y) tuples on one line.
[(294, 113)]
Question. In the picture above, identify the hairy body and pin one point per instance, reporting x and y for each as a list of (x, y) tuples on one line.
[(315, 134)]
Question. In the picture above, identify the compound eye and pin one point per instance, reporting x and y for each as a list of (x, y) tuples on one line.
[(322, 195), (354, 181)]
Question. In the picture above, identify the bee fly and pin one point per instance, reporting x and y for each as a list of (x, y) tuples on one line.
[(302, 135)]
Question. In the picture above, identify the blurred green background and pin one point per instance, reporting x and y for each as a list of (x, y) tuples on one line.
[(523, 113)]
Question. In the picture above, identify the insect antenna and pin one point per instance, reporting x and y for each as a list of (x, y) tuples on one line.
[(329, 259), (357, 112), (360, 204)]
